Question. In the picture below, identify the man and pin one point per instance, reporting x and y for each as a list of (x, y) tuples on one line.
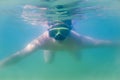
[(58, 38)]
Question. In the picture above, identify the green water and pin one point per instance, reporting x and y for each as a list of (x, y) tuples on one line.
[(94, 64)]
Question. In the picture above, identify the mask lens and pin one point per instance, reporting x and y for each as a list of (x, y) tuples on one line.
[(64, 32), (52, 33)]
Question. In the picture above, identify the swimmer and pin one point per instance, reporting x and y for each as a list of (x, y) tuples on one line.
[(57, 38)]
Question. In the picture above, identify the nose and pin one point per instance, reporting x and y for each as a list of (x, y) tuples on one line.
[(59, 37)]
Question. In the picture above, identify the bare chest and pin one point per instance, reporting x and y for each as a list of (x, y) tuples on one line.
[(59, 46)]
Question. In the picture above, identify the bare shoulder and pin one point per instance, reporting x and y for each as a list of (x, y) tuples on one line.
[(43, 36), (74, 35), (79, 36), (40, 39), (81, 39)]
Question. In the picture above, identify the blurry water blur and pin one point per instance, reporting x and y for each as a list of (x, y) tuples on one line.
[(101, 20)]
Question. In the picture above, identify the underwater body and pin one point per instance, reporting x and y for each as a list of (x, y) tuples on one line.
[(94, 64)]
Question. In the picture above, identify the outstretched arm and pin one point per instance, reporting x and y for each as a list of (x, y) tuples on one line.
[(30, 48), (89, 42)]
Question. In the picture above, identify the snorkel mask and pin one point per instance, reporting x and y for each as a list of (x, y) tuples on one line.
[(59, 31)]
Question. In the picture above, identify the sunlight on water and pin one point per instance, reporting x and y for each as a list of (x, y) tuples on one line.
[(45, 13), (95, 64)]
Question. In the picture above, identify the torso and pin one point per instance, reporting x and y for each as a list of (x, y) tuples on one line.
[(70, 43)]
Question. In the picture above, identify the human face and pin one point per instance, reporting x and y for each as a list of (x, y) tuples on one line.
[(59, 33)]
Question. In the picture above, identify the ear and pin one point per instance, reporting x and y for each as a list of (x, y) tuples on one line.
[(48, 56)]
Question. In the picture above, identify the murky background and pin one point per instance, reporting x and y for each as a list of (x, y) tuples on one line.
[(101, 22)]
